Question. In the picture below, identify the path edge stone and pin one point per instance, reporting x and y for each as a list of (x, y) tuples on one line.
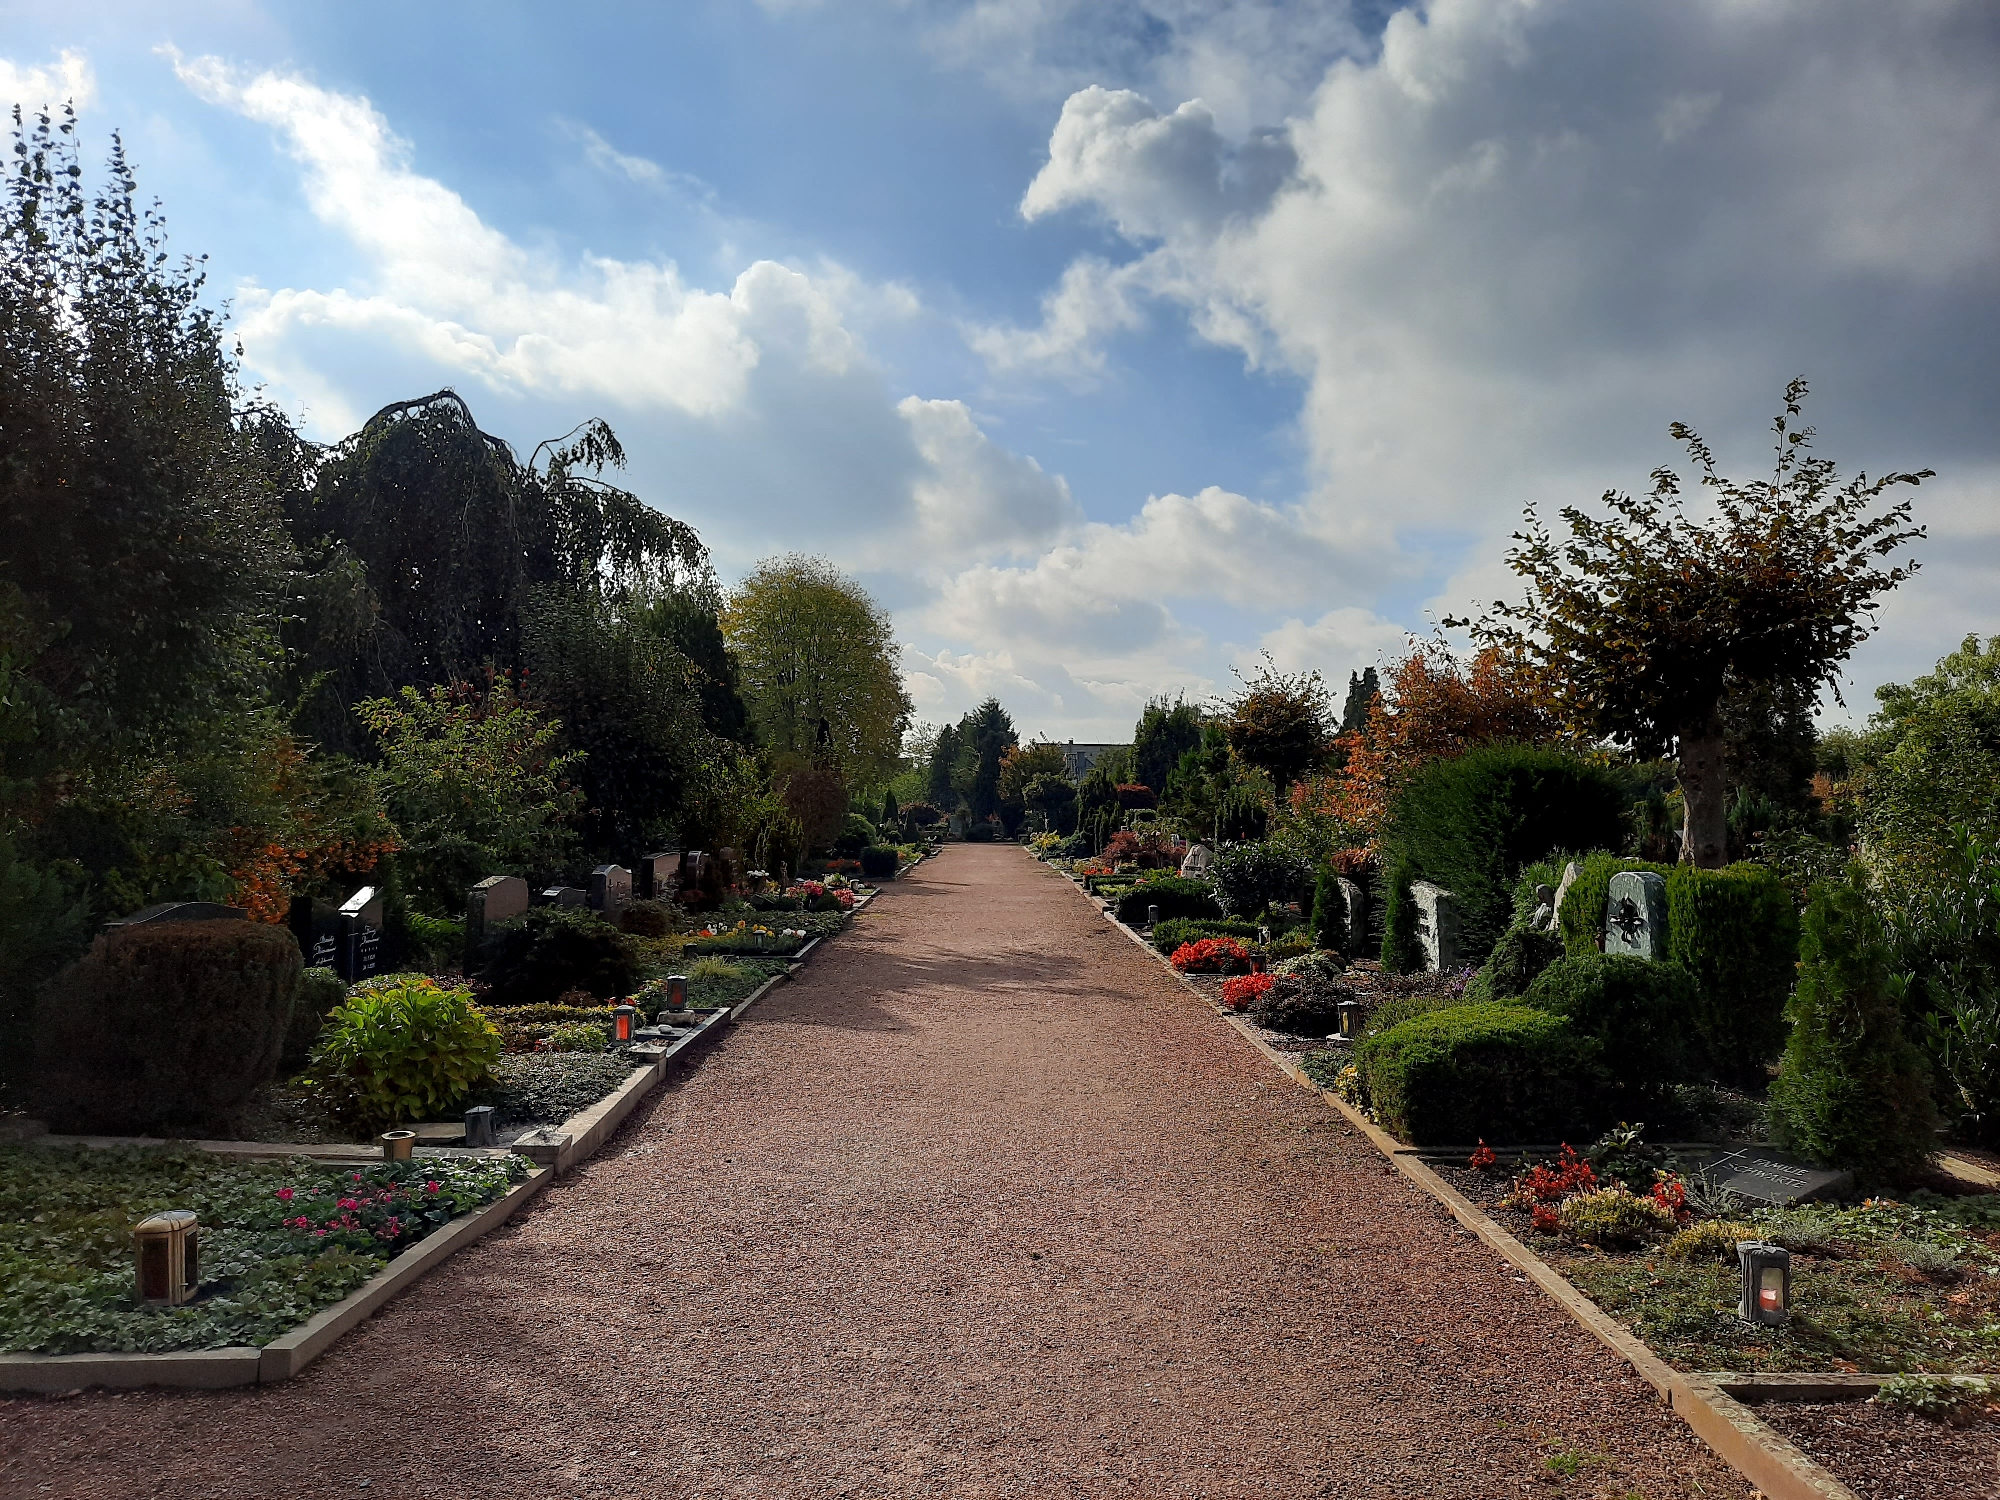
[(1776, 1466)]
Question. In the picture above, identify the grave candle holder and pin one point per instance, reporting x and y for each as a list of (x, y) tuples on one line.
[(1352, 1013), (1767, 1282), (677, 992), (169, 1258), (1152, 916), (397, 1145), (479, 1125), (622, 1021)]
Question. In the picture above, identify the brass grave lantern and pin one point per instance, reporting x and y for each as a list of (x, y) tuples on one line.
[(169, 1258)]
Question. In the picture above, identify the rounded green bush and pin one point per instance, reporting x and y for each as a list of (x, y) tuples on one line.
[(1502, 1073), (320, 990), (542, 955), (1642, 1013), (1518, 959), (389, 1056)]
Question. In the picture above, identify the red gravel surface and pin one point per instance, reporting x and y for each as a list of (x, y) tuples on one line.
[(1893, 1455), (985, 1204)]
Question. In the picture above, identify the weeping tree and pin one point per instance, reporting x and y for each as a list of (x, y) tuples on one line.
[(1649, 621)]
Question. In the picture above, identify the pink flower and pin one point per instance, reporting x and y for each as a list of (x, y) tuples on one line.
[(349, 1203), (432, 1187), (319, 1234), (284, 1195)]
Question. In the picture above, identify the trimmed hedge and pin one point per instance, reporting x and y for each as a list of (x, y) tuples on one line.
[(1735, 931), (535, 958), (1638, 1011), (879, 861), (1470, 823), (1173, 931), (164, 1024), (1504, 1073), (1174, 896)]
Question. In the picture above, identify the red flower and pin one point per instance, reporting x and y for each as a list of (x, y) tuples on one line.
[(284, 1195), (1245, 989), (1483, 1159), (432, 1187), (1211, 956), (1547, 1220)]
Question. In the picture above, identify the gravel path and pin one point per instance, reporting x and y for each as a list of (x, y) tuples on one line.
[(982, 1205)]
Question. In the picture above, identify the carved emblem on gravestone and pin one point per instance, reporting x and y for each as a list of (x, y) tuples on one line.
[(1635, 920)]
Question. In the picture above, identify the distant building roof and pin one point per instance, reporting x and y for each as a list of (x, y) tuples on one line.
[(1080, 758)]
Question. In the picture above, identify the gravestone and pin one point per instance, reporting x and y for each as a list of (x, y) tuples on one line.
[(563, 895), (1197, 863), (1437, 925), (182, 911), (658, 875), (317, 926), (610, 889), (1635, 918), (1356, 901), (1767, 1176), (497, 898), (360, 935), (1562, 890)]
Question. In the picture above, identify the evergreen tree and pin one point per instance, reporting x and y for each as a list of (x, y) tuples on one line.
[(1854, 1091), (1363, 688)]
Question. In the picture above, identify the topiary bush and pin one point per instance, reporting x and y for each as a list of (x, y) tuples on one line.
[(320, 990), (1471, 822), (533, 959), (1854, 1091), (879, 861), (1174, 896), (856, 834), (1502, 1073), (389, 1056), (1251, 876), (1737, 932), (163, 1025), (1637, 1010)]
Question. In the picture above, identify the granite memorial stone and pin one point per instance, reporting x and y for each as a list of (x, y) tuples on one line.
[(1356, 900), (610, 889), (563, 895), (1197, 863), (317, 926), (658, 875), (1437, 925), (1767, 1176), (1635, 918), (360, 934)]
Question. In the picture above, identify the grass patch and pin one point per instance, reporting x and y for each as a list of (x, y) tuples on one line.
[(66, 1221)]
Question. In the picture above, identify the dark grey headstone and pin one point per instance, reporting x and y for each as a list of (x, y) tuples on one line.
[(610, 888), (1767, 1176), (182, 911), (563, 895), (360, 934), (1635, 916), (479, 1125), (1437, 925), (317, 926), (657, 875)]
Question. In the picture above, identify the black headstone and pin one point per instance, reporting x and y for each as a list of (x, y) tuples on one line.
[(317, 925), (361, 934)]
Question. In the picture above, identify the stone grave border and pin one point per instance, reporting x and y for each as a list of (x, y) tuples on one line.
[(564, 1147), (1707, 1402)]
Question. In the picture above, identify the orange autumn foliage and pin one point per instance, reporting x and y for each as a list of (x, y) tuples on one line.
[(304, 835), (1435, 706)]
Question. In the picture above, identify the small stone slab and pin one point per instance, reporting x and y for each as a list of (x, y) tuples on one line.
[(1635, 916), (1767, 1176)]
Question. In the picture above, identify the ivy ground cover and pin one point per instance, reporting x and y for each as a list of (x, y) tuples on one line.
[(278, 1240)]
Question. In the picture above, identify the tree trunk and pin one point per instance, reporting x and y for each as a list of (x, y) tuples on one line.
[(1704, 793)]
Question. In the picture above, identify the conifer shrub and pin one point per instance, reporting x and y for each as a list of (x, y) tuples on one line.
[(1300, 1004), (1737, 932), (878, 862), (649, 919), (1518, 959), (1175, 897), (1402, 950), (535, 958), (164, 1025), (1330, 917), (1639, 1012), (1503, 1073), (320, 990), (1854, 1090), (1470, 823)]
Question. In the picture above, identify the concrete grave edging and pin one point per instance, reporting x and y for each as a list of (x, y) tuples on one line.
[(286, 1355), (1778, 1468)]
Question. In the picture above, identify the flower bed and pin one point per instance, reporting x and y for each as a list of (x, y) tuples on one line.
[(279, 1240), (1211, 956)]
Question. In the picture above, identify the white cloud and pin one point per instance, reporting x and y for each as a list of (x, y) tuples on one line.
[(1349, 635), (978, 499), (69, 79), (1093, 300)]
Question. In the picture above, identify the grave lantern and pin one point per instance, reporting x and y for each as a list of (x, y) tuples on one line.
[(1152, 916), (169, 1258), (677, 992), (479, 1125), (397, 1145), (1351, 1014), (1767, 1282), (622, 1021)]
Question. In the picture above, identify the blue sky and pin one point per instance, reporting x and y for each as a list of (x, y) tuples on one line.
[(1110, 343)]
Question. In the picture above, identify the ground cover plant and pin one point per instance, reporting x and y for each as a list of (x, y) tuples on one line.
[(546, 1088), (279, 1240)]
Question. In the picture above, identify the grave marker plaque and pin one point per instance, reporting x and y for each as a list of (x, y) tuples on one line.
[(610, 889), (1437, 925), (1768, 1176), (495, 899), (1635, 918), (316, 924), (361, 934)]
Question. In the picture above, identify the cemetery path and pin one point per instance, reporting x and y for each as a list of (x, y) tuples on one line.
[(984, 1204)]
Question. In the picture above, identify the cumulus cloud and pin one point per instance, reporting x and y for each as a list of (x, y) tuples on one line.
[(1506, 247), (68, 80), (979, 499)]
